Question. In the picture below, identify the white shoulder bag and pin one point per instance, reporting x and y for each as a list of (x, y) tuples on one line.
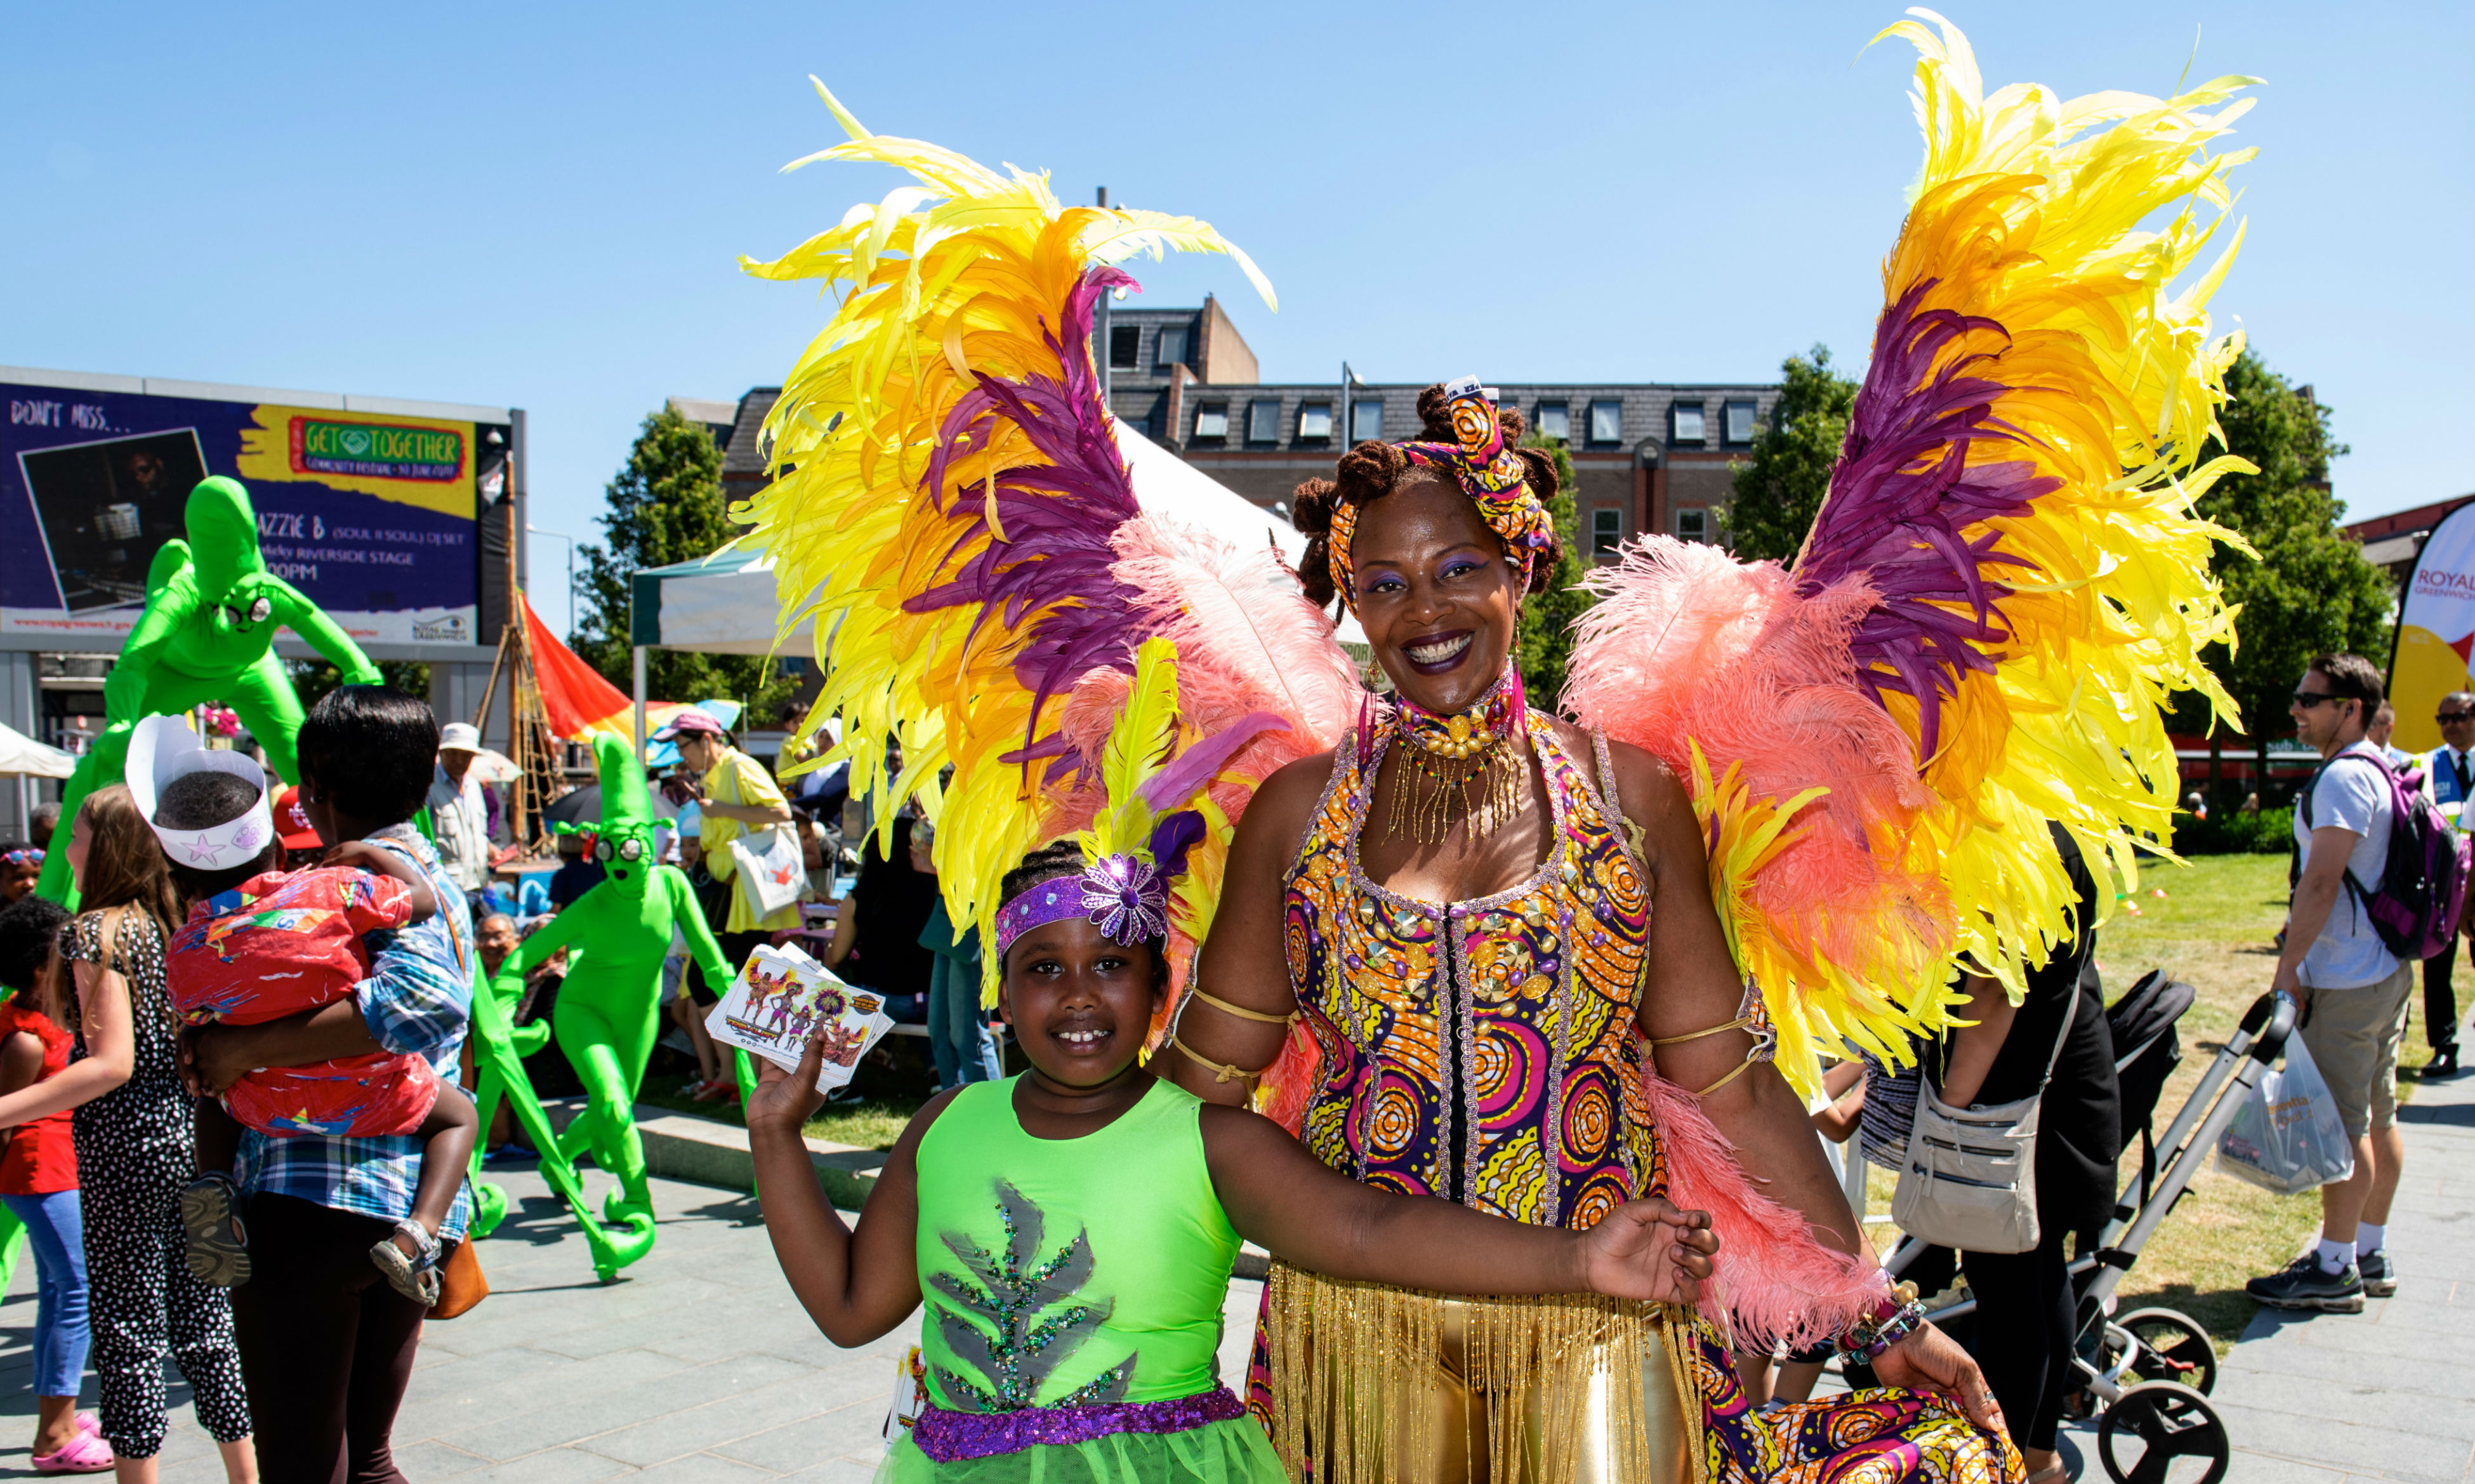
[(1969, 1180)]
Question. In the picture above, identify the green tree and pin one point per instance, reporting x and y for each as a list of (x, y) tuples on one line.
[(314, 678), (2311, 591), (1544, 642), (1779, 488), (666, 506)]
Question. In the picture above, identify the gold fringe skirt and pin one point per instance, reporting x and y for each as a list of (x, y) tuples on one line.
[(1373, 1384)]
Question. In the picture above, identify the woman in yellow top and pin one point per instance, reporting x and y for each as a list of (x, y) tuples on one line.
[(739, 795)]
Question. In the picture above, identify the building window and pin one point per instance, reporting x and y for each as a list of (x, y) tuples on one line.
[(1315, 421), (1263, 420), (1607, 422), (1126, 347), (1739, 426), (1555, 421), (1212, 420), (1606, 530), (1693, 524), (1684, 422), (1366, 420), (1171, 349)]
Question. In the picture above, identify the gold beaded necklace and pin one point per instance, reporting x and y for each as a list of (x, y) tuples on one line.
[(1467, 763)]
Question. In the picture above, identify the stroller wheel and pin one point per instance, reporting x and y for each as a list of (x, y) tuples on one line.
[(2173, 1347), (2163, 1433)]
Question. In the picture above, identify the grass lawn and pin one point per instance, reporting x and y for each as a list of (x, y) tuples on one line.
[(2213, 929), (873, 1123)]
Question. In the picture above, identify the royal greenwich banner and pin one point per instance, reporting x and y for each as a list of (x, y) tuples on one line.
[(370, 515), (2435, 630)]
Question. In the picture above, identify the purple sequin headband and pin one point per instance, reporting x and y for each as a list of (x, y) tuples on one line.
[(1124, 895)]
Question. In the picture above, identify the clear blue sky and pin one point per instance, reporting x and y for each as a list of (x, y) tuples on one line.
[(540, 205)]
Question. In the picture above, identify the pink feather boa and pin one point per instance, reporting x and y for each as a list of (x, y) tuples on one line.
[(1775, 1282)]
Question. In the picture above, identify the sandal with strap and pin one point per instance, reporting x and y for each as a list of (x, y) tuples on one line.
[(414, 1274)]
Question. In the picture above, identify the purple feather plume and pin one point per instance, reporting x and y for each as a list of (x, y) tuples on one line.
[(1181, 780), (1172, 836), (1899, 496), (1055, 562)]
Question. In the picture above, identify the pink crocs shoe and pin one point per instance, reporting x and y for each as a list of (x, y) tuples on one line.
[(85, 1453)]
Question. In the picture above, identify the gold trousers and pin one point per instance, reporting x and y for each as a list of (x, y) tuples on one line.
[(1373, 1384)]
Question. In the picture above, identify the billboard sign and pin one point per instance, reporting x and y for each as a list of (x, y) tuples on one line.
[(2435, 630), (370, 512)]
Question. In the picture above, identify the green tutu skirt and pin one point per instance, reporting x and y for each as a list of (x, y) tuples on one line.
[(1235, 1451)]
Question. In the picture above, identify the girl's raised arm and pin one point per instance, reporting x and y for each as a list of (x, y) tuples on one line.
[(856, 1285), (1285, 1198)]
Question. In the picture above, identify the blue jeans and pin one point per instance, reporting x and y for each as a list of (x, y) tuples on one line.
[(960, 1038), (56, 1230)]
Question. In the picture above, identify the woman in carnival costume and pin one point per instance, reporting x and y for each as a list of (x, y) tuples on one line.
[(1533, 965), (1075, 1305)]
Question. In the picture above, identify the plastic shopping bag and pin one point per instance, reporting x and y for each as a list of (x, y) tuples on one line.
[(2288, 1135), (770, 870)]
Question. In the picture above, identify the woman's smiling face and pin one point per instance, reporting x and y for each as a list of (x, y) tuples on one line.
[(1435, 594)]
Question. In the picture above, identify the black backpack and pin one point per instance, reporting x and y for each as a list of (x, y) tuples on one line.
[(2147, 1050)]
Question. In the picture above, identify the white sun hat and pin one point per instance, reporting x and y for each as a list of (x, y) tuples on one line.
[(162, 749)]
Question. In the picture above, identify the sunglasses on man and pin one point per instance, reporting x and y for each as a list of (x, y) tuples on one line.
[(2307, 699), (2448, 716)]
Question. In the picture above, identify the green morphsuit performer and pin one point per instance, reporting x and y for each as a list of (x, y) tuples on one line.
[(609, 1005), (207, 634), (499, 1049)]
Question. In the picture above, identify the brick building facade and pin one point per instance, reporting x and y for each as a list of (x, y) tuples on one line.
[(1652, 457)]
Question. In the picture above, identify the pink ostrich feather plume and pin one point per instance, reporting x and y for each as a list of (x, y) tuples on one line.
[(1774, 1281), (1247, 639), (1688, 642)]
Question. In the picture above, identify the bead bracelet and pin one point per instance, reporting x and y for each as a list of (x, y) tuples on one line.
[(1898, 1318)]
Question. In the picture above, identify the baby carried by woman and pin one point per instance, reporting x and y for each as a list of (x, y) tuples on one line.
[(261, 944)]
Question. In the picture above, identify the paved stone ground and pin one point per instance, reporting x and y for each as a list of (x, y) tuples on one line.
[(697, 1365), (2389, 1394)]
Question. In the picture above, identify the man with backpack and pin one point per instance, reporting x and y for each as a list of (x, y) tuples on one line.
[(2348, 976)]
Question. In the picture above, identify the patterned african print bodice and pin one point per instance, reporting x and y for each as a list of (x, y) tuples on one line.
[(1481, 1051)]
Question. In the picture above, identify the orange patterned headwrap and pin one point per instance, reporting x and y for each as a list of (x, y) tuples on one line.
[(1489, 472)]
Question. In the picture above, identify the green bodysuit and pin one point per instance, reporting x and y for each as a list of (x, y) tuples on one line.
[(1074, 1274)]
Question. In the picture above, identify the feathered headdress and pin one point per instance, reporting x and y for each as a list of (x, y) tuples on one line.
[(2005, 585), (951, 507), (1489, 471), (1156, 810)]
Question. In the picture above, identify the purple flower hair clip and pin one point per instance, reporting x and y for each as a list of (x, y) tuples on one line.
[(1127, 898)]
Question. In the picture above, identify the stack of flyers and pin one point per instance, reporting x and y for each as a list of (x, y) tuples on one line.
[(781, 996)]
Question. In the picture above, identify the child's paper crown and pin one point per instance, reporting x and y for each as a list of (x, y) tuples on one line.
[(162, 749)]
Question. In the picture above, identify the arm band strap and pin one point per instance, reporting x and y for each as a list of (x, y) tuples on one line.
[(1737, 1024), (1221, 1071), (1752, 1018), (1242, 1011)]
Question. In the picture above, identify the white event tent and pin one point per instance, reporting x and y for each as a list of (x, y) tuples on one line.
[(725, 603)]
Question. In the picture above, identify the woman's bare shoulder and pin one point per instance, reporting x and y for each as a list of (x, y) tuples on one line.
[(1290, 794), (1646, 782)]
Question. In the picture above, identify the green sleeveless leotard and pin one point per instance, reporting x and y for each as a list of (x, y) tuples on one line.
[(1076, 1273)]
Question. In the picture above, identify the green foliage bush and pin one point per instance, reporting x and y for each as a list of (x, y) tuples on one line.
[(2269, 832)]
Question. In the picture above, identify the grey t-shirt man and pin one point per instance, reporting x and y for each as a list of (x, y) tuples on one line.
[(2353, 795)]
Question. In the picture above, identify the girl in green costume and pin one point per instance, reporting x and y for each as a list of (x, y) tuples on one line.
[(1073, 1227)]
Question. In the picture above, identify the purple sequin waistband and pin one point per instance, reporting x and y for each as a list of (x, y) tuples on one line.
[(951, 1437)]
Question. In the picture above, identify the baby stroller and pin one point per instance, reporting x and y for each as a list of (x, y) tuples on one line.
[(2146, 1376)]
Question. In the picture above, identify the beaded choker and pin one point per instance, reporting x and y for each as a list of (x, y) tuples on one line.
[(1443, 757)]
